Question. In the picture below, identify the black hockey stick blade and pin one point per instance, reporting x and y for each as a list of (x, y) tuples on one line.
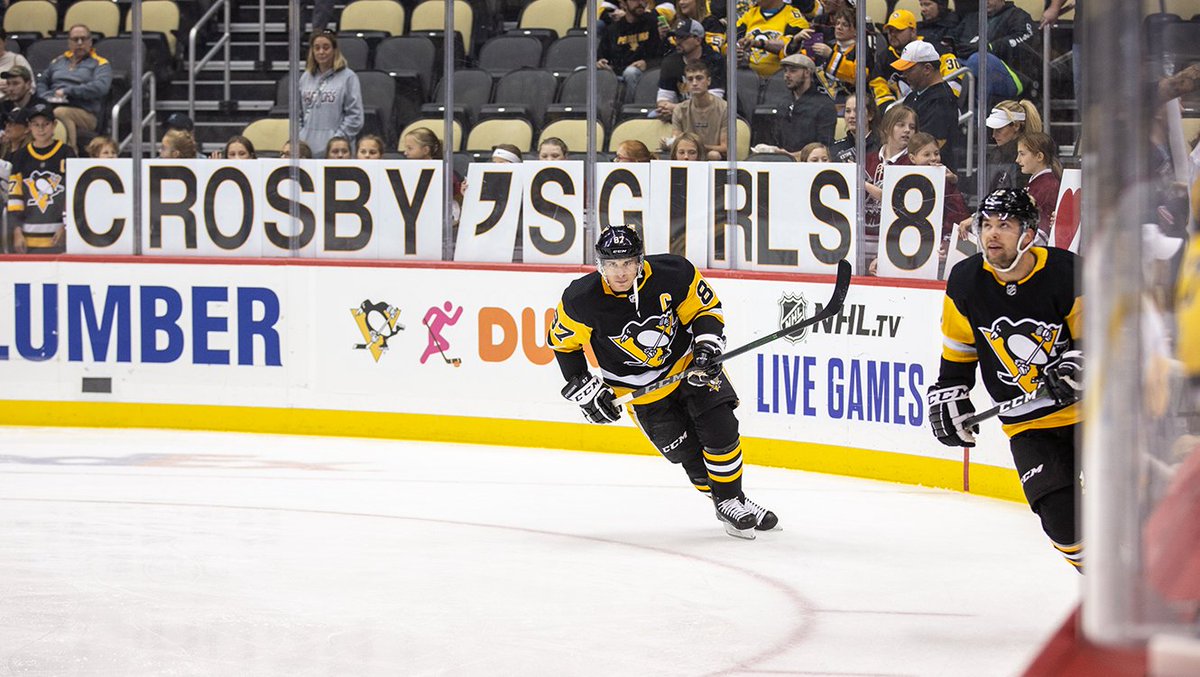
[(1008, 405), (833, 307)]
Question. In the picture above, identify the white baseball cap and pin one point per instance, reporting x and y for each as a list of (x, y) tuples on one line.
[(917, 51)]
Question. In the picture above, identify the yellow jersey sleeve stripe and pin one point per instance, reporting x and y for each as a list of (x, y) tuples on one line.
[(567, 335), (1075, 318)]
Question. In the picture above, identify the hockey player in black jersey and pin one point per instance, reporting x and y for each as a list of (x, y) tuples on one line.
[(646, 318), (1015, 311)]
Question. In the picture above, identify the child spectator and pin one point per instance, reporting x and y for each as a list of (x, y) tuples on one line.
[(178, 145), (923, 151), (898, 126), (688, 147), (370, 147), (506, 153), (330, 94), (304, 154), (102, 147), (1037, 155), (813, 152), (16, 133), (239, 148), (37, 201), (421, 144), (703, 114), (552, 149), (632, 150), (338, 148), (845, 149)]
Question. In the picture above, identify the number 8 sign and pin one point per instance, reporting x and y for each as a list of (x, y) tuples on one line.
[(910, 222)]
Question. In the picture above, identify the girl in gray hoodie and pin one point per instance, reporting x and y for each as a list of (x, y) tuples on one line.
[(330, 95)]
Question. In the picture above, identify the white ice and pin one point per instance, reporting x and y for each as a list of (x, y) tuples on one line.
[(182, 553)]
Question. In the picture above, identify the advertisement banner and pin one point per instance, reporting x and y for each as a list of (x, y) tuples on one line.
[(1066, 227)]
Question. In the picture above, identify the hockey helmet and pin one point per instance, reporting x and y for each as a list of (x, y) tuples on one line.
[(619, 242), (1010, 203)]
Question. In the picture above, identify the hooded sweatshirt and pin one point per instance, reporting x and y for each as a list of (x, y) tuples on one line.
[(330, 105)]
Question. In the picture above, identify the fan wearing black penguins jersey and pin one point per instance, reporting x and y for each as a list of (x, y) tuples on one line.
[(1015, 311), (646, 318)]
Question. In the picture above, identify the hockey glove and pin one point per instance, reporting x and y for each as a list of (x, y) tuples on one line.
[(949, 406), (593, 397), (1064, 379), (705, 350)]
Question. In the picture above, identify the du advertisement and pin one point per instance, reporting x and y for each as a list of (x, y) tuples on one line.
[(769, 217), (461, 342)]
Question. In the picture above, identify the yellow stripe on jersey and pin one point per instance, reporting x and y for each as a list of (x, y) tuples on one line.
[(567, 335), (657, 395), (701, 300), (958, 341), (782, 25), (1187, 310), (1075, 319), (1063, 417)]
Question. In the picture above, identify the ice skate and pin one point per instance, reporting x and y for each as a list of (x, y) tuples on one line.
[(766, 520), (738, 521)]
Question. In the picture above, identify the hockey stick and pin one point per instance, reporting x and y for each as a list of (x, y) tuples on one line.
[(833, 307), (449, 360), (1009, 405)]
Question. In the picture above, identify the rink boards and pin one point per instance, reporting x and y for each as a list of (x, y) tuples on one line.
[(370, 350)]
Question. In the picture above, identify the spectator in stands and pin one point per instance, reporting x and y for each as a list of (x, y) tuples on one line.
[(37, 201), (16, 133), (506, 153), (305, 152), (331, 101), (938, 23), (632, 150), (839, 61), (714, 26), (338, 148), (237, 147), (178, 144), (18, 88), (765, 31), (77, 83), (688, 147), (845, 149), (421, 144), (1008, 121), (631, 45), (1037, 154), (897, 129), (9, 61), (181, 122), (103, 147), (887, 85), (370, 147), (703, 114), (552, 149), (932, 99), (810, 115), (689, 46), (813, 152), (1012, 48), (923, 151)]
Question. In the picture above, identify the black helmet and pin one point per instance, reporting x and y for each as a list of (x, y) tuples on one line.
[(619, 242), (1010, 203)]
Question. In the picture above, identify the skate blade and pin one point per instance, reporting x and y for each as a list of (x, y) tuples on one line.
[(747, 534)]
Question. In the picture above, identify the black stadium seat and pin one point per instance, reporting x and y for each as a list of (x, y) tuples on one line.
[(565, 55), (472, 90), (356, 51), (379, 105), (505, 53), (526, 92), (414, 54), (572, 99)]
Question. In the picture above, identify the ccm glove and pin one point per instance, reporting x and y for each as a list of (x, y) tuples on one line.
[(705, 351), (949, 406), (595, 399), (1064, 379)]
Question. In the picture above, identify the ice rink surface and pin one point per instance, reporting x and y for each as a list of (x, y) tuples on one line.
[(181, 553)]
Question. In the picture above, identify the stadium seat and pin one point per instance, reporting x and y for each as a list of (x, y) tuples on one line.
[(472, 90), (527, 92), (414, 54), (119, 52), (877, 12), (356, 51), (102, 17), (645, 96), (650, 132), (436, 126), (11, 45), (489, 133), (775, 91), (915, 7), (372, 20), (749, 91), (572, 99), (379, 104), (743, 139), (30, 20), (770, 157), (573, 133), (267, 134), (566, 54), (158, 16), (40, 53), (506, 53), (554, 15), (839, 129), (430, 16)]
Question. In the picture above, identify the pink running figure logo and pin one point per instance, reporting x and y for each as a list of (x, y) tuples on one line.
[(435, 319)]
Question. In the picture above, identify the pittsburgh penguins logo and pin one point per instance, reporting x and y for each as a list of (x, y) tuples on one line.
[(647, 341), (42, 187), (1024, 347), (377, 322)]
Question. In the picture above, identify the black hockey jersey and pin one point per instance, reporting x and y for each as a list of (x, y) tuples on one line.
[(37, 195), (1012, 330), (637, 338)]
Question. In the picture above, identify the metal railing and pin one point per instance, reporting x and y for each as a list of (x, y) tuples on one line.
[(965, 118), (194, 66), (149, 119)]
